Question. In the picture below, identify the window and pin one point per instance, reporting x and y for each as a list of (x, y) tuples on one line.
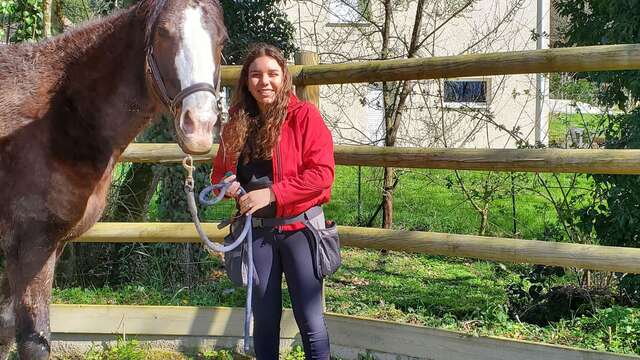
[(348, 11), (460, 93)]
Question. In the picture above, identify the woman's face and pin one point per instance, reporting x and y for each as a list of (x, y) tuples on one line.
[(265, 79)]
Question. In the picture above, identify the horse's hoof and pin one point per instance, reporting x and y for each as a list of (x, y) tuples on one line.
[(34, 347)]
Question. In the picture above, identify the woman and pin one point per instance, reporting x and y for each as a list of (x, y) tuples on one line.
[(282, 153)]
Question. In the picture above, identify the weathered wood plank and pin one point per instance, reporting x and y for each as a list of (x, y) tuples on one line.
[(429, 343), (156, 320), (605, 258), (528, 160), (310, 93), (574, 59), (348, 331), (161, 153)]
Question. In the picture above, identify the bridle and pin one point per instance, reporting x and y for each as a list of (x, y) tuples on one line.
[(173, 104)]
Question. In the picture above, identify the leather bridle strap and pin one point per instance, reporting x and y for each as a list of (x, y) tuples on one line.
[(161, 90), (156, 78)]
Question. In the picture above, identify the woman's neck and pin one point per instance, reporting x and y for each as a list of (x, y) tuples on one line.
[(262, 110)]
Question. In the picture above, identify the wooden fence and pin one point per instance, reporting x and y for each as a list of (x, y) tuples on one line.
[(596, 58)]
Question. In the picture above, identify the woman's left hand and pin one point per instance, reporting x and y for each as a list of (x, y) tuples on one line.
[(255, 200)]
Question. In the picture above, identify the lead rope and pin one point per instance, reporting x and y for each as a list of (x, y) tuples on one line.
[(210, 246)]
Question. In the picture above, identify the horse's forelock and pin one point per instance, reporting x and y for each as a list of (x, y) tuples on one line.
[(151, 10)]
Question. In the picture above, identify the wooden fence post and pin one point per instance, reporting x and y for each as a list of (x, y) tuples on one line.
[(310, 93)]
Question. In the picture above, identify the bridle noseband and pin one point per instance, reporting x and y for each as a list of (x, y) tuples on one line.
[(156, 77)]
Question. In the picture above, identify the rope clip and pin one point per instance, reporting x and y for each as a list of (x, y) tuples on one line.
[(187, 163)]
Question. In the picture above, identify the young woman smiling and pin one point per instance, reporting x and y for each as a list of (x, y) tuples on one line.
[(282, 154)]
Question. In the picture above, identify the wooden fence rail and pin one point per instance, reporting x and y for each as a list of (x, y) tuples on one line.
[(188, 327), (604, 258), (528, 160), (575, 59)]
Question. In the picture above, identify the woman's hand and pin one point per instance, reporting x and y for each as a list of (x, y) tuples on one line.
[(256, 200), (234, 189)]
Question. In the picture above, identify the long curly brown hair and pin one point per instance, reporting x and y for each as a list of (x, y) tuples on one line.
[(249, 134)]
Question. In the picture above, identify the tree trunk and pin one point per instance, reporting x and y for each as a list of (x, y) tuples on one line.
[(58, 11), (387, 198), (157, 176), (134, 193), (484, 221), (46, 19)]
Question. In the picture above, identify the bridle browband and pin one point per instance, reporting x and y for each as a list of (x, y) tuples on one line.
[(156, 78)]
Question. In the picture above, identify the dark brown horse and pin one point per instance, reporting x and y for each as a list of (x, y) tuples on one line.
[(68, 108)]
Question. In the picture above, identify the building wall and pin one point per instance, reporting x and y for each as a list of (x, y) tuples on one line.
[(508, 116)]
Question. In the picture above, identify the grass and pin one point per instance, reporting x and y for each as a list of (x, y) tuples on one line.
[(560, 123), (134, 350), (430, 200), (414, 288)]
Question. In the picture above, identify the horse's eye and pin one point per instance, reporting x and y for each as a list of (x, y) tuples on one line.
[(164, 31)]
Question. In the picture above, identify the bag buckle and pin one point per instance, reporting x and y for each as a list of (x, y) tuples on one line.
[(257, 222)]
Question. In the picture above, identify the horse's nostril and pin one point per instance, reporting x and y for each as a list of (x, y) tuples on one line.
[(188, 123)]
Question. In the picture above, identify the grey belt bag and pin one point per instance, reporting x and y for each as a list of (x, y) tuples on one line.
[(325, 248)]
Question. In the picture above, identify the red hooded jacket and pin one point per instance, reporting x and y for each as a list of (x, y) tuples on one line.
[(303, 164)]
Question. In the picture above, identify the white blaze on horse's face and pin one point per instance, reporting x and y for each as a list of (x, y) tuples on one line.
[(195, 64)]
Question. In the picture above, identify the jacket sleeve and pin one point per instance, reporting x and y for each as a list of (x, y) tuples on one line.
[(318, 163)]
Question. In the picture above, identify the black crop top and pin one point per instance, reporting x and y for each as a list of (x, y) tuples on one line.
[(254, 175)]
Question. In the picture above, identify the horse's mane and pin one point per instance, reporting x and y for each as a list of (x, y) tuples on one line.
[(26, 66)]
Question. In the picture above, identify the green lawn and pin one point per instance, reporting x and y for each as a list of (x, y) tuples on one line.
[(560, 123), (424, 201)]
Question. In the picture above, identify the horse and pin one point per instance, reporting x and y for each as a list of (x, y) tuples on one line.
[(69, 106)]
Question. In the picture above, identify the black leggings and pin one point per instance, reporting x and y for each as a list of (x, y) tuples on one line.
[(276, 252)]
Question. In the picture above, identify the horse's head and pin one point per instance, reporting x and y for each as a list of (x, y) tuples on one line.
[(184, 43)]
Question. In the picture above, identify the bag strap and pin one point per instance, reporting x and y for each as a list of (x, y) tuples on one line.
[(310, 214)]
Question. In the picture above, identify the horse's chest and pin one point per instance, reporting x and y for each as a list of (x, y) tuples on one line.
[(79, 203), (95, 204)]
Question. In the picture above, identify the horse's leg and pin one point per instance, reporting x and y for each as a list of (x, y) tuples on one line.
[(30, 265), (7, 318)]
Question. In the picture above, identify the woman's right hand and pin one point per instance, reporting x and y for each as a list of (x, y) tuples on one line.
[(233, 190)]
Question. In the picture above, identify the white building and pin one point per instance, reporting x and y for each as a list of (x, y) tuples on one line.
[(482, 112)]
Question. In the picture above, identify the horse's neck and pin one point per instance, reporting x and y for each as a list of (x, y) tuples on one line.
[(104, 88)]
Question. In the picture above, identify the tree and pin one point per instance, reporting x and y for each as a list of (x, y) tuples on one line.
[(256, 21), (21, 20), (414, 112), (615, 216)]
